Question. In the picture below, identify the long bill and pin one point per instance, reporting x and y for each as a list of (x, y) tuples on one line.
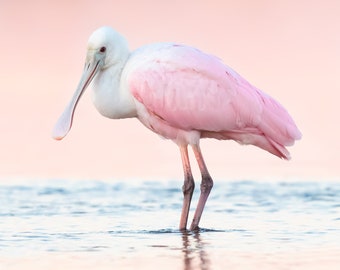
[(64, 123)]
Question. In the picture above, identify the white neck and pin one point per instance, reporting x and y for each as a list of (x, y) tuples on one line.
[(111, 99)]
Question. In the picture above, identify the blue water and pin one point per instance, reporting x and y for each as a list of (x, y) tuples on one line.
[(142, 217)]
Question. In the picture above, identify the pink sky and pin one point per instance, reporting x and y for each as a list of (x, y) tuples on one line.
[(290, 49)]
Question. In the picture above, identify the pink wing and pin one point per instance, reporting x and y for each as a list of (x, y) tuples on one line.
[(191, 90)]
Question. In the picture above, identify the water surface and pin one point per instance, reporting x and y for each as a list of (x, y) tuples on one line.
[(94, 224)]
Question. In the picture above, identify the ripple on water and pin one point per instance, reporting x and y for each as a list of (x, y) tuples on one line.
[(95, 215)]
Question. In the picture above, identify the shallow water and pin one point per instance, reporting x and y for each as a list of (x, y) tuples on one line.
[(246, 224)]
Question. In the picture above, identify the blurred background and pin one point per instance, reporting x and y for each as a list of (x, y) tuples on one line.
[(289, 49)]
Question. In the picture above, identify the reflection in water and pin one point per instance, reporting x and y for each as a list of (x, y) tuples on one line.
[(195, 255)]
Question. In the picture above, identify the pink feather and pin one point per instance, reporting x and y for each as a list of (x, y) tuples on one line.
[(184, 89)]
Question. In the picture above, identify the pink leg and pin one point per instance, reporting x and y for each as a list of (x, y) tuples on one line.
[(188, 187), (206, 185)]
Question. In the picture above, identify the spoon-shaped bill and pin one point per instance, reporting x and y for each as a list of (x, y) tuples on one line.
[(64, 123)]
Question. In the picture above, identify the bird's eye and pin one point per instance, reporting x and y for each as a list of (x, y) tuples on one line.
[(102, 49)]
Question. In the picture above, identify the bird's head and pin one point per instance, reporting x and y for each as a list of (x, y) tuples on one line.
[(105, 48)]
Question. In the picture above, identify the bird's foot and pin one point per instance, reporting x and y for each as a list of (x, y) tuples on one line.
[(194, 228)]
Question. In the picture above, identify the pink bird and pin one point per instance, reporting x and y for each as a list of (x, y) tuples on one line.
[(183, 95)]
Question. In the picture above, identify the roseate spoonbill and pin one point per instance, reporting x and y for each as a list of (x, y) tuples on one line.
[(183, 95)]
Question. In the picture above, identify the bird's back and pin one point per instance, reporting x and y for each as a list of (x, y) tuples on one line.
[(190, 90)]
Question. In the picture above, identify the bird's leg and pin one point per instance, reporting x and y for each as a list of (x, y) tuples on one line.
[(188, 187), (206, 185)]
